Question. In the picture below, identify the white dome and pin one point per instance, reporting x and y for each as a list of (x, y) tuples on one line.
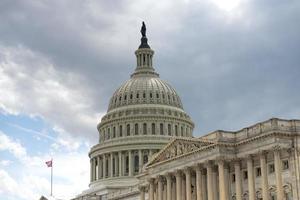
[(145, 90)]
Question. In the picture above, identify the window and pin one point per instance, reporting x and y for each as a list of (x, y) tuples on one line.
[(258, 172), (104, 135), (271, 168), (136, 129), (137, 95), (285, 164), (161, 129), (125, 97), (114, 132), (151, 95), (128, 130), (131, 96), (144, 95), (136, 163), (108, 133), (121, 130), (114, 164), (176, 130), (233, 178), (145, 129), (169, 129), (145, 159), (120, 98), (245, 174), (153, 129), (181, 131), (126, 165), (157, 95)]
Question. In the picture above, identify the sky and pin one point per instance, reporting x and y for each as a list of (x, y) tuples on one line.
[(233, 62)]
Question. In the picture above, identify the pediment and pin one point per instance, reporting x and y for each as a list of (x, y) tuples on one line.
[(178, 147)]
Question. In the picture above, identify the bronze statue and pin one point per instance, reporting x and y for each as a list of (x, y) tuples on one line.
[(143, 30)]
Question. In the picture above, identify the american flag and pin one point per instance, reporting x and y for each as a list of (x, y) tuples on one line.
[(49, 163)]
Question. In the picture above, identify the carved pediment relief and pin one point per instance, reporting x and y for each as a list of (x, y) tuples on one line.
[(178, 147)]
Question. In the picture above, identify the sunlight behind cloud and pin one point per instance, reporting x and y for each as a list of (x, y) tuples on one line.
[(226, 5)]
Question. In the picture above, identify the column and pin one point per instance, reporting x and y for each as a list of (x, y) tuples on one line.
[(198, 183), (264, 176), (91, 170), (104, 166), (111, 164), (130, 162), (222, 188), (99, 168), (278, 170), (160, 188), (116, 165), (140, 160), (178, 185), (238, 180), (120, 164), (210, 195), (204, 185), (169, 187), (251, 184), (183, 188), (142, 193), (215, 183), (151, 189), (188, 184)]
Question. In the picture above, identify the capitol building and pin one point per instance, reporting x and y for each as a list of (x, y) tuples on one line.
[(146, 149)]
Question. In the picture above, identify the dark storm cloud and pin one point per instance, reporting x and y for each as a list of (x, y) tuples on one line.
[(236, 68)]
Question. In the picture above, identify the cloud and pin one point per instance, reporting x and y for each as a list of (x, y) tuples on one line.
[(33, 177)]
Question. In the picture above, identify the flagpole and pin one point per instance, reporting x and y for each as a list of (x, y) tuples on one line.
[(51, 177)]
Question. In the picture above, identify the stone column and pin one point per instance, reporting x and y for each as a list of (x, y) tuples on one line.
[(142, 193), (215, 183), (140, 160), (188, 184), (151, 189), (198, 183), (120, 164), (116, 165), (222, 187), (91, 170), (204, 185), (183, 188), (99, 168), (160, 188), (130, 163), (264, 176), (238, 180), (251, 183), (104, 166), (210, 195), (169, 186), (111, 164), (178, 185), (278, 171)]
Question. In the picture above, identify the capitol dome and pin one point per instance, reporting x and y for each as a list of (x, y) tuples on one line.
[(143, 115)]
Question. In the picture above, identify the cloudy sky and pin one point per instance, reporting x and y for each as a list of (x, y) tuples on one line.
[(233, 62)]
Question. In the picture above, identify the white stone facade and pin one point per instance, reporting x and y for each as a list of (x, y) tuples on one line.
[(257, 162), (147, 151)]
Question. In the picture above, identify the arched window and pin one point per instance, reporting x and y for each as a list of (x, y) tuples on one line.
[(157, 95), (114, 132), (126, 165), (137, 95), (128, 130), (104, 135), (176, 130), (150, 95), (187, 131), (131, 96), (136, 129), (136, 163), (125, 97), (145, 159), (121, 130), (169, 129), (144, 95), (145, 129), (161, 128), (181, 131), (108, 133), (153, 129)]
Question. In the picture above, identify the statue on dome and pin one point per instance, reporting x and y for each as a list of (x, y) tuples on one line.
[(143, 30)]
